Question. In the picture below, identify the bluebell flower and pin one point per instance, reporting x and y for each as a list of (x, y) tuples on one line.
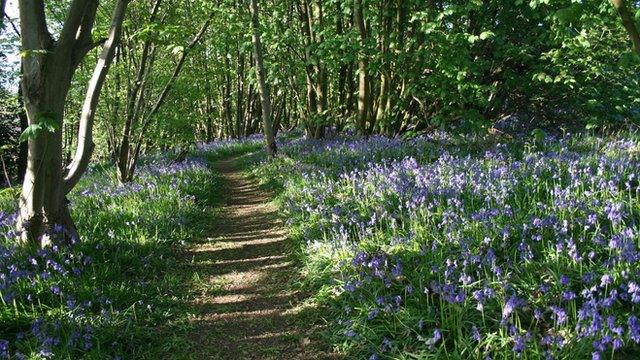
[(373, 314), (475, 334), (4, 349), (350, 333)]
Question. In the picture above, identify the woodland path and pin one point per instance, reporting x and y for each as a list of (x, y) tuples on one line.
[(249, 308)]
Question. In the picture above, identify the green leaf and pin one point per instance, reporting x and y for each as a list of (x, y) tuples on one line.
[(31, 132), (177, 49), (46, 122), (486, 34), (27, 53)]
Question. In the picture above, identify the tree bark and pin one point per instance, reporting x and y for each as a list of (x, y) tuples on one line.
[(364, 96), (24, 148), (628, 22), (240, 93), (3, 4), (227, 100), (265, 98)]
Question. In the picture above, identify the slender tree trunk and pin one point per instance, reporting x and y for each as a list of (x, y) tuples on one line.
[(135, 100), (248, 130), (228, 104), (3, 4), (396, 85), (351, 90), (312, 103), (209, 134), (628, 22), (265, 98), (224, 109), (364, 96), (342, 73), (385, 71), (24, 148), (141, 139), (240, 93), (208, 103), (85, 145)]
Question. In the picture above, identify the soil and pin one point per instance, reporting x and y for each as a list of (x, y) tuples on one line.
[(248, 307)]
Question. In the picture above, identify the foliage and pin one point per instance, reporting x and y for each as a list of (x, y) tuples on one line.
[(461, 65), (9, 134), (120, 291), (439, 251)]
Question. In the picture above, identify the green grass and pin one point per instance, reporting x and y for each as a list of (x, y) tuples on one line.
[(318, 193), (130, 298)]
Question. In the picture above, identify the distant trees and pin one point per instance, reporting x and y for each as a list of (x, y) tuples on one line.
[(141, 107), (395, 66), (190, 71)]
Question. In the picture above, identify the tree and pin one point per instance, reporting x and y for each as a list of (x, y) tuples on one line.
[(48, 67), (139, 110), (364, 87), (265, 99), (628, 22), (3, 4), (387, 66)]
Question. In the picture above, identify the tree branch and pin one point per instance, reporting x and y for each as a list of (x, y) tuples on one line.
[(81, 51), (628, 22), (73, 21), (85, 133), (13, 25), (35, 33), (83, 42), (165, 91)]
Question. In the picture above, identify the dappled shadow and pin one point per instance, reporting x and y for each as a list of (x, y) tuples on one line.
[(253, 312)]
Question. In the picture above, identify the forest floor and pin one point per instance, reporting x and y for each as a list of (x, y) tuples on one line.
[(249, 307)]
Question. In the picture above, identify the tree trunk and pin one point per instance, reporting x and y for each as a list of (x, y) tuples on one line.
[(47, 70), (248, 130), (24, 148), (386, 77), (240, 93), (134, 154), (628, 22), (135, 99), (322, 82), (3, 4), (265, 98), (364, 96)]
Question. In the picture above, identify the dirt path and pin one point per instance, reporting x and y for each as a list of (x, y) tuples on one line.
[(247, 309)]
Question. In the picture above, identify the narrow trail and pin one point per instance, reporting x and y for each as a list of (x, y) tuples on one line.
[(249, 309)]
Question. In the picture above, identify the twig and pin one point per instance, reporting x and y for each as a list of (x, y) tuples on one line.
[(4, 170), (13, 25)]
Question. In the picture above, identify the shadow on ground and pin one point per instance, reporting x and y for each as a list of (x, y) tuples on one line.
[(248, 307)]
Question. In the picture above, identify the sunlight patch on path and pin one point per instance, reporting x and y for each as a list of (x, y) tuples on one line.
[(251, 311)]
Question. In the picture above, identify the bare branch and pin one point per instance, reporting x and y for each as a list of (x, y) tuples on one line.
[(13, 25)]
